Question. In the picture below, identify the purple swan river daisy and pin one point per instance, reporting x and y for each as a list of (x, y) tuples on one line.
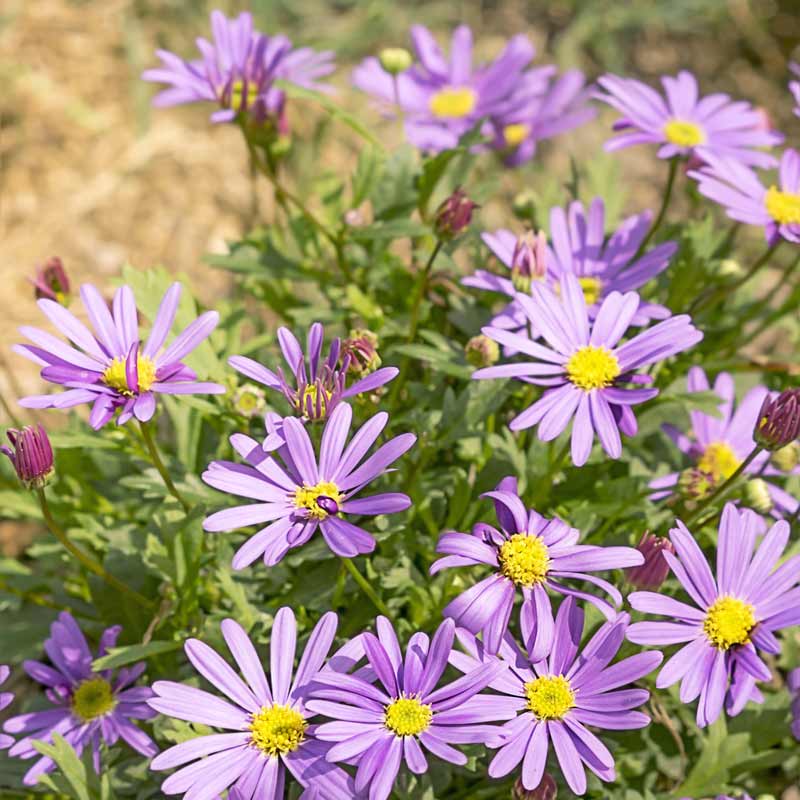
[(92, 709), (550, 702), (532, 554), (584, 365), (735, 616), (111, 368), (6, 698), (307, 493), (384, 725), (267, 722)]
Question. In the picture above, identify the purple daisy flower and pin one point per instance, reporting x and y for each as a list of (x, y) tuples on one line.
[(739, 190), (584, 366), (92, 709), (443, 99), (266, 722), (736, 614), (306, 493), (6, 698), (794, 87), (718, 445), (793, 684), (238, 71), (530, 553), (315, 387), (110, 368), (382, 726), (683, 123), (551, 701)]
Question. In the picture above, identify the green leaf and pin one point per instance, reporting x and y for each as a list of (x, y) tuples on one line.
[(368, 172), (80, 776), (120, 656)]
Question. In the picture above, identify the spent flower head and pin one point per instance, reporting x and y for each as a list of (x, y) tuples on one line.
[(31, 455), (361, 350), (481, 351)]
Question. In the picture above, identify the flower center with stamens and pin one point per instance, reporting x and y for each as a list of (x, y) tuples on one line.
[(524, 559), (306, 497), (783, 207), (591, 289), (454, 103), (719, 461), (311, 393), (277, 730), (516, 133), (729, 621), (115, 377), (684, 134), (407, 716), (239, 98), (550, 697), (92, 699), (592, 367)]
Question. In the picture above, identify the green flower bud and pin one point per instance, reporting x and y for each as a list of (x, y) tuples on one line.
[(249, 400), (787, 458), (395, 60), (481, 351), (756, 495)]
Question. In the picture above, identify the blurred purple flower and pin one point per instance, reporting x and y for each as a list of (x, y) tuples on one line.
[(51, 281), (794, 87)]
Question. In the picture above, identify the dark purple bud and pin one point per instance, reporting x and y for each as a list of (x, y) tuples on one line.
[(32, 455), (51, 281), (778, 423), (328, 504), (546, 790), (655, 569), (454, 215)]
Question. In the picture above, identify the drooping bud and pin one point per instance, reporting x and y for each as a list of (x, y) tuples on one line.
[(481, 351), (361, 350), (395, 59), (655, 569), (51, 281), (32, 455), (778, 422), (757, 496), (529, 260), (787, 458), (454, 215), (249, 400), (546, 790)]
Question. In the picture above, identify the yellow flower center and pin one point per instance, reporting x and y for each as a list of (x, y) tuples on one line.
[(306, 497), (592, 367), (783, 207), (550, 697), (728, 622), (524, 559), (591, 289), (454, 103), (684, 134), (516, 133), (115, 377), (92, 699), (719, 461), (277, 730), (406, 716), (310, 393), (238, 94)]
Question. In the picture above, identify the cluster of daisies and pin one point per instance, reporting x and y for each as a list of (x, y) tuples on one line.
[(344, 721)]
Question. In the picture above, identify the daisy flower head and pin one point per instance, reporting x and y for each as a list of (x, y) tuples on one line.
[(550, 702), (298, 493), (443, 98), (583, 364), (90, 709), (734, 616), (110, 367), (266, 721), (745, 198), (717, 446), (682, 123), (530, 553), (313, 386), (237, 71), (383, 724)]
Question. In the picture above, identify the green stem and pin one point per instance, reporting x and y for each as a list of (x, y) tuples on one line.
[(665, 200), (542, 490), (84, 558), (366, 588), (158, 463), (10, 412)]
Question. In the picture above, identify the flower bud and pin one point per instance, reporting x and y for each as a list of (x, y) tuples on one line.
[(695, 484), (757, 496), (249, 400), (395, 59), (546, 790), (51, 281), (453, 215), (32, 455), (655, 569), (529, 260), (778, 421), (360, 351), (328, 504), (481, 351), (787, 458), (524, 204)]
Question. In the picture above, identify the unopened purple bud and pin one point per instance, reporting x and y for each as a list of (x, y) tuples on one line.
[(51, 281), (454, 215), (328, 504), (655, 569), (529, 260), (32, 455), (778, 422), (546, 790)]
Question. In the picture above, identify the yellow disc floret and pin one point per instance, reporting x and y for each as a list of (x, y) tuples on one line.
[(306, 497), (453, 102), (591, 289), (783, 207), (524, 559), (729, 621), (592, 367), (115, 377), (683, 133), (277, 729), (311, 392), (516, 133), (719, 461), (407, 716), (92, 699), (550, 697)]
